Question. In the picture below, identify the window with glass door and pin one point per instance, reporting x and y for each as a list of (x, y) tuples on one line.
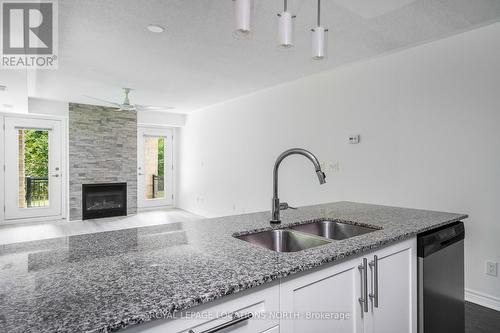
[(33, 178), (155, 164)]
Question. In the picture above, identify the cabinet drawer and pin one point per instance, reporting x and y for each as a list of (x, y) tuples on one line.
[(275, 329), (235, 325), (254, 308)]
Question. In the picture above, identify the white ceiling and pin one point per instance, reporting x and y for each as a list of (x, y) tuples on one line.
[(196, 62)]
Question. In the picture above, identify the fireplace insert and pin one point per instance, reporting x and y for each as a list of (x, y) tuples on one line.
[(104, 200)]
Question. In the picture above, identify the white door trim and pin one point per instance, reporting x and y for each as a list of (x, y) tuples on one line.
[(168, 201), (2, 171)]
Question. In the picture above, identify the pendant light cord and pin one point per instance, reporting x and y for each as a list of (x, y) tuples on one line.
[(285, 5), (319, 13)]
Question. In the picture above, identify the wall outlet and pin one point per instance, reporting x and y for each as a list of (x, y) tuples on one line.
[(354, 139), (335, 167), (492, 268)]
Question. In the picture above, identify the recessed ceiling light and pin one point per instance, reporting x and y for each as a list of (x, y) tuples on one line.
[(157, 29)]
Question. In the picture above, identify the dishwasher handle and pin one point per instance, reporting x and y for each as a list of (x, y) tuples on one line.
[(435, 240)]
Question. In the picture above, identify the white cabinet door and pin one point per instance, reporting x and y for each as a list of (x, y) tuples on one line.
[(396, 310), (315, 301), (322, 301)]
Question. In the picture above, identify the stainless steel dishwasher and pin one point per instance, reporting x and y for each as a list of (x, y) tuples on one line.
[(441, 280)]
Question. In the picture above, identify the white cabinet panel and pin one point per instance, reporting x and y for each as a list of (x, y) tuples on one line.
[(396, 311), (325, 300)]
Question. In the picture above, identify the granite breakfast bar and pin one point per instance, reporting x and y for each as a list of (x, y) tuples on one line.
[(110, 281)]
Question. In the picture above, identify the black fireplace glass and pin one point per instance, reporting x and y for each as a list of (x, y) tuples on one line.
[(104, 200)]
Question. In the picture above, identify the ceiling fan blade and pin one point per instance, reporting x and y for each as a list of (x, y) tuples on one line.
[(153, 108), (103, 100)]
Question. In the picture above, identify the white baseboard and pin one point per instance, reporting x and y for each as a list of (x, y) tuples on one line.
[(147, 209), (483, 299), (34, 220)]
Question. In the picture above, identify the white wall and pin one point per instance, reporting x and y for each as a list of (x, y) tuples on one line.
[(15, 97), (48, 107), (156, 118), (429, 120)]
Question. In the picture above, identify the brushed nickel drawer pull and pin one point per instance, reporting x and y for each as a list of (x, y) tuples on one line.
[(363, 300), (374, 267), (236, 319)]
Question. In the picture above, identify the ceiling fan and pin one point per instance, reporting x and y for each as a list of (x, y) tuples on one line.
[(126, 106)]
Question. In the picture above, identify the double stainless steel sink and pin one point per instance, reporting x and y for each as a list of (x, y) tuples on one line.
[(332, 229), (305, 236), (282, 240)]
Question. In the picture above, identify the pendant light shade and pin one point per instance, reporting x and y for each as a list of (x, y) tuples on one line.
[(319, 38), (242, 16), (243, 12), (285, 27), (319, 43)]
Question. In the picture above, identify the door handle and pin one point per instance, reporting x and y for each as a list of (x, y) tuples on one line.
[(140, 174), (236, 319), (56, 175), (374, 269), (363, 300)]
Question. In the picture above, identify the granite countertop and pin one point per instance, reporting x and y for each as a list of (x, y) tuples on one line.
[(106, 281)]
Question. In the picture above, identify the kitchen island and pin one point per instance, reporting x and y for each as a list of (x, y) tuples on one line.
[(109, 281)]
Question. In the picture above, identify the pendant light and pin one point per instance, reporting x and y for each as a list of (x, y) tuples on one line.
[(285, 27), (319, 41), (242, 14)]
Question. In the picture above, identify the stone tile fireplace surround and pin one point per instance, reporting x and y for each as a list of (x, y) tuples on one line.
[(102, 149)]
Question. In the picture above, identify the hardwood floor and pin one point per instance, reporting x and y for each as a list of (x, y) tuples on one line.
[(479, 319)]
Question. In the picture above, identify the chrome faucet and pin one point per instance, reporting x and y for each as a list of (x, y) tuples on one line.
[(276, 206)]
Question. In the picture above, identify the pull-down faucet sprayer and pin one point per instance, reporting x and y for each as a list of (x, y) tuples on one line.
[(276, 201)]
